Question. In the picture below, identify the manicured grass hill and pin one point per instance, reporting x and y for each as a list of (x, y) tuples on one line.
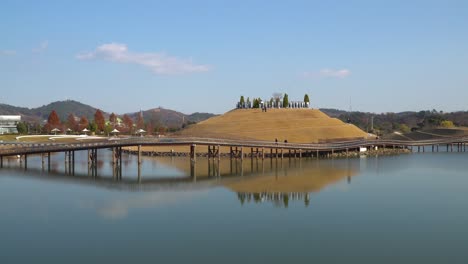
[(294, 125), (428, 134)]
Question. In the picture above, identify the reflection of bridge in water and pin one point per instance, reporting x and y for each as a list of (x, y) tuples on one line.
[(254, 180), (258, 149)]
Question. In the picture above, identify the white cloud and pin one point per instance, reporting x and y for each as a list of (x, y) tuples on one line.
[(7, 52), (42, 47), (159, 63), (329, 73)]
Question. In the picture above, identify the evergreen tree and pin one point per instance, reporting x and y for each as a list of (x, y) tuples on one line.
[(285, 101), (22, 128), (306, 98), (256, 103), (248, 102), (242, 101), (99, 120)]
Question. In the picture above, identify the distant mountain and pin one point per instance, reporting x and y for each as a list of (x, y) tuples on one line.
[(63, 109), (169, 118), (385, 123), (157, 116)]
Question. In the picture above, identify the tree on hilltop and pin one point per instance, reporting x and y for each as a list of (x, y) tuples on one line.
[(242, 101), (306, 99), (285, 100)]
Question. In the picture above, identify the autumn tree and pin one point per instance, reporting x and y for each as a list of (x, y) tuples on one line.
[(71, 122), (447, 124), (128, 122), (99, 120), (53, 121), (140, 122), (113, 119), (84, 123), (149, 129)]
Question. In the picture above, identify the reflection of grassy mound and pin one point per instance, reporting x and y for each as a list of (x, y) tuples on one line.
[(295, 125), (428, 134), (311, 180), (270, 177)]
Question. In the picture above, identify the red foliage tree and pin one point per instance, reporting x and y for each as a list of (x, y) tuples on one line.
[(71, 122), (140, 121), (113, 119), (53, 121), (83, 123), (128, 122), (99, 120)]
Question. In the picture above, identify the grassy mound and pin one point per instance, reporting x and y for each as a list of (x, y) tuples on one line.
[(294, 125), (429, 134)]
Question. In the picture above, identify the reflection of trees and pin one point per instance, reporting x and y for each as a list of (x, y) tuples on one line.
[(278, 199)]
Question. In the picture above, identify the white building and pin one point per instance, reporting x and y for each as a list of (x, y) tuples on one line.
[(8, 124)]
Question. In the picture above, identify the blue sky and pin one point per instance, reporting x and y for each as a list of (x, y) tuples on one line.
[(122, 56)]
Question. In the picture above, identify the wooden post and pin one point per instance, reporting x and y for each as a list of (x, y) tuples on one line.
[(300, 153), (263, 153), (48, 161), (193, 153), (230, 151), (1, 161), (281, 153), (219, 153), (347, 152), (139, 154), (242, 153), (25, 161)]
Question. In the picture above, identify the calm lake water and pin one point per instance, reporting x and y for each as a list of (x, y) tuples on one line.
[(396, 209)]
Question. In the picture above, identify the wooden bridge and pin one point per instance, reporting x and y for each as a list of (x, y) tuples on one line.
[(258, 149)]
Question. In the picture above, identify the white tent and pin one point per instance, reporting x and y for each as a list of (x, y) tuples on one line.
[(115, 131), (85, 130), (55, 130), (140, 131)]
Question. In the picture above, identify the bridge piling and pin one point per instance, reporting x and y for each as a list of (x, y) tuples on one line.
[(193, 153), (139, 155)]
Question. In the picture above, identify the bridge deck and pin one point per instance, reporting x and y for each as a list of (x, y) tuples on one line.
[(8, 149)]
